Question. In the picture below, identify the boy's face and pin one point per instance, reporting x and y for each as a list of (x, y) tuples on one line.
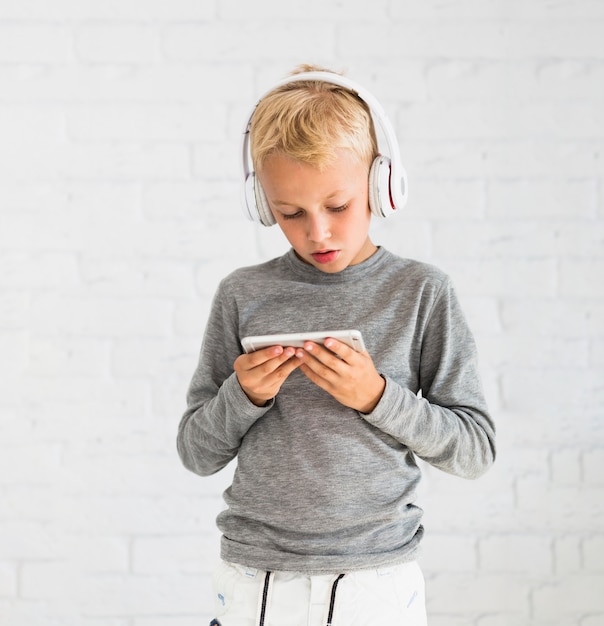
[(323, 213)]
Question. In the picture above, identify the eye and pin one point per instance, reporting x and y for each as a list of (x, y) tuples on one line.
[(339, 209), (291, 216)]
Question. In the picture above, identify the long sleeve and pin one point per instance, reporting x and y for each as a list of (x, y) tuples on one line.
[(448, 424), (218, 414)]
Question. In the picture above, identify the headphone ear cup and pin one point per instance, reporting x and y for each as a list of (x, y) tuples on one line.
[(255, 202), (380, 201), (248, 199), (264, 211)]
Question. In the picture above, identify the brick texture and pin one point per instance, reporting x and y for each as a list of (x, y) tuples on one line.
[(120, 124)]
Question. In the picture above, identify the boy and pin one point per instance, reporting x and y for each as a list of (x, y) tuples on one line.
[(320, 526)]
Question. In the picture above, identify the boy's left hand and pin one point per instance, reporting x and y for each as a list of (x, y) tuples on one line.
[(349, 376)]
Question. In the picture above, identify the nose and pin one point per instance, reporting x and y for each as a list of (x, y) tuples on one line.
[(318, 228)]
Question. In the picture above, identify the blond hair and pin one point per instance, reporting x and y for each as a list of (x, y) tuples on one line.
[(309, 121)]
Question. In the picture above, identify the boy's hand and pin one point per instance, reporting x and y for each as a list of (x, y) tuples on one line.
[(349, 376), (262, 373)]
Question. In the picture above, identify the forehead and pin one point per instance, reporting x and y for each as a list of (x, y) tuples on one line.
[(287, 181)]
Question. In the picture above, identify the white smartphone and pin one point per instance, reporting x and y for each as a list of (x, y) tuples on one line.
[(352, 338)]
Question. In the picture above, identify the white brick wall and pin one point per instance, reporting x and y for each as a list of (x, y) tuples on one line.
[(119, 187)]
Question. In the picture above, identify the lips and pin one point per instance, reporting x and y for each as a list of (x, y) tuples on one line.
[(325, 256)]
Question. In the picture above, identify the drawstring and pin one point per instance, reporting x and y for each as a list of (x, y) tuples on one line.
[(265, 592), (332, 602)]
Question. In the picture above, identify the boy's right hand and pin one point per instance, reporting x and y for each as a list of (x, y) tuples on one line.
[(262, 373)]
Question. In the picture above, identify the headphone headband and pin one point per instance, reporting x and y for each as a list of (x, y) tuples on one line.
[(396, 180)]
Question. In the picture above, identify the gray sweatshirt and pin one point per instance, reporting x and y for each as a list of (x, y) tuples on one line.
[(319, 487)]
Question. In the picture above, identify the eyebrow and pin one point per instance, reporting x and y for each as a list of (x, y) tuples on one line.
[(293, 204)]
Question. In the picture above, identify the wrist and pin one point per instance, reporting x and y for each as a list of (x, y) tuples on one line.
[(376, 396), (259, 401)]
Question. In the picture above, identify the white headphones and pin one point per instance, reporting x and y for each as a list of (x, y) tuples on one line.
[(387, 176)]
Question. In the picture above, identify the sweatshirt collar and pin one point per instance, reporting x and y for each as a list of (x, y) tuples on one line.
[(352, 272)]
